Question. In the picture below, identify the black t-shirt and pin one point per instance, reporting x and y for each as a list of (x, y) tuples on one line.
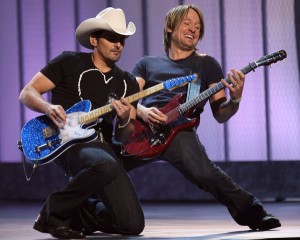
[(155, 70), (76, 78)]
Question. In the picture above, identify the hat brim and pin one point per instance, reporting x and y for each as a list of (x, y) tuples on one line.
[(86, 28)]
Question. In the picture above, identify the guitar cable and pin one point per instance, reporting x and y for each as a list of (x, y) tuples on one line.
[(25, 172), (123, 151)]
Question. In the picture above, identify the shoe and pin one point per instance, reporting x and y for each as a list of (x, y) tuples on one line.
[(266, 223), (61, 232)]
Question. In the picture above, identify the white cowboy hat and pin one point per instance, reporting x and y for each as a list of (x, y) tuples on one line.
[(110, 19)]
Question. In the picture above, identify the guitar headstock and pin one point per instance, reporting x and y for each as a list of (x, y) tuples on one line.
[(272, 58), (173, 83)]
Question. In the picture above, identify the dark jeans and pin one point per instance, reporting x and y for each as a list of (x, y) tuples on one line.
[(95, 171), (187, 155)]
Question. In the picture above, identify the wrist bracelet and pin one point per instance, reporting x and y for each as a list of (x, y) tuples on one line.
[(236, 100), (124, 125)]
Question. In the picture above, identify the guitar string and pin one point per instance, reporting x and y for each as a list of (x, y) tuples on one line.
[(172, 114)]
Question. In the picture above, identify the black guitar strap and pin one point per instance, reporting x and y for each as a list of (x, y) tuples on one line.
[(196, 67)]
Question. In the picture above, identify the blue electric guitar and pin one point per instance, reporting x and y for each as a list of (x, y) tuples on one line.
[(42, 142)]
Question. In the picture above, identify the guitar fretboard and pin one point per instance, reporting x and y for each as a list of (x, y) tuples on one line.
[(96, 113), (212, 90), (168, 84)]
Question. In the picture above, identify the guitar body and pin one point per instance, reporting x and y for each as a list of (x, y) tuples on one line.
[(147, 142), (42, 141)]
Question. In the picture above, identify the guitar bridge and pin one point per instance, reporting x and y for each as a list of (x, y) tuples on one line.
[(161, 133), (49, 144)]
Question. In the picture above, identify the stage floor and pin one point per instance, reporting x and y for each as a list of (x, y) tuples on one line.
[(165, 221)]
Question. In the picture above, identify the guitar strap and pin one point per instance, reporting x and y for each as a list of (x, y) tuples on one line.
[(196, 67)]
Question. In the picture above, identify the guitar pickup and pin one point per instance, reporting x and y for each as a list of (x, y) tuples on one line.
[(50, 131)]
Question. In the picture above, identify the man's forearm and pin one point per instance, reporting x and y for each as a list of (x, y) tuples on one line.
[(226, 110), (33, 100), (139, 111)]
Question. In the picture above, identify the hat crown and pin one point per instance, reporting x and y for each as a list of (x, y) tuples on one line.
[(115, 17)]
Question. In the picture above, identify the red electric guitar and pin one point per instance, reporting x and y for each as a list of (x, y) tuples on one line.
[(149, 141)]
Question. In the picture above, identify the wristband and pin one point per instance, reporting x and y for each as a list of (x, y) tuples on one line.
[(124, 125), (236, 100)]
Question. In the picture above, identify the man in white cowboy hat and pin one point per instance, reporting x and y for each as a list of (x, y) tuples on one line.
[(110, 19), (93, 167)]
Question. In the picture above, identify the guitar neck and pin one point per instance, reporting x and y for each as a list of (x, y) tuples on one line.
[(212, 90), (96, 113)]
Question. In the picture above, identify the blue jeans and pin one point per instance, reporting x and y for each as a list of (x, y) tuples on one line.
[(188, 156), (99, 196)]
